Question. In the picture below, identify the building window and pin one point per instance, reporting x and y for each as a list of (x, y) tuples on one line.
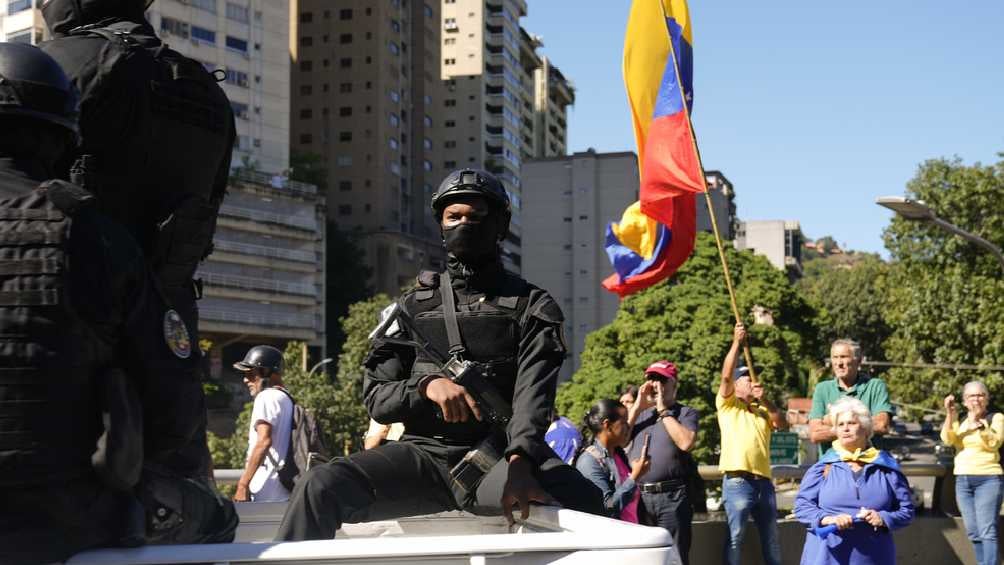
[(306, 114), (345, 210), (345, 38), (428, 10), (450, 124), (207, 5), (450, 41), (427, 165), (394, 120), (15, 6), (237, 44), (171, 26), (427, 121), (306, 90), (427, 143), (306, 17), (240, 110), (345, 111), (394, 50), (306, 138), (345, 136), (345, 62), (451, 144), (344, 186), (306, 66), (394, 95), (394, 26), (345, 14), (203, 34), (450, 61), (343, 160), (306, 41), (238, 13), (345, 87), (449, 102), (393, 143), (449, 164), (237, 77)]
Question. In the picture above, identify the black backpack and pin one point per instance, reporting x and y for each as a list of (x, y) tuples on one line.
[(306, 446)]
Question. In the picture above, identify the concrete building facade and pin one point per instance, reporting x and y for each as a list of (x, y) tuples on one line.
[(569, 202), (780, 241)]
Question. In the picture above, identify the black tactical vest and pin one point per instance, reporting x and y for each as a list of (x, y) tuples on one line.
[(157, 134), (491, 335), (49, 420)]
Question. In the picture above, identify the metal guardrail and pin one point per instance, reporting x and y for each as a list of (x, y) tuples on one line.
[(264, 250), (252, 283), (302, 321), (277, 182), (937, 470), (271, 217)]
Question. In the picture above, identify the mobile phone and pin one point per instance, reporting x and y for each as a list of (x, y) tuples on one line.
[(644, 446)]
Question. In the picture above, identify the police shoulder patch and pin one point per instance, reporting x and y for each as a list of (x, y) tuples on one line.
[(176, 335)]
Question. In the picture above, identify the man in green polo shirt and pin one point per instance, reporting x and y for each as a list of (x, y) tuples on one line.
[(845, 359)]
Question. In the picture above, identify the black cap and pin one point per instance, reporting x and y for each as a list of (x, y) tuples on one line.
[(261, 357), (33, 85), (472, 182)]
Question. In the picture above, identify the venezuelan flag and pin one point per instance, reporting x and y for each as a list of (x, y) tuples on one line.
[(656, 234)]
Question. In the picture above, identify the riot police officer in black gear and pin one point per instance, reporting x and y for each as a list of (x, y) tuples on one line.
[(157, 134), (78, 346), (509, 329)]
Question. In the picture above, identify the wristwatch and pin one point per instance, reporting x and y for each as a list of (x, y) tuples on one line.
[(664, 413)]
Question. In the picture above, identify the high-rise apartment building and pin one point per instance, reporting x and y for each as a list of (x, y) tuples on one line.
[(394, 95), (568, 203), (780, 241)]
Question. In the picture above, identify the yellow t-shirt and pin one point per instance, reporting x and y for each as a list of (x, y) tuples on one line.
[(745, 436), (976, 451)]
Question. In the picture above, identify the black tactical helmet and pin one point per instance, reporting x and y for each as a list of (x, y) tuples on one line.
[(261, 357), (33, 85), (472, 182)]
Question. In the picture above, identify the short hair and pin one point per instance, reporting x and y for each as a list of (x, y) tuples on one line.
[(979, 384), (854, 406), (632, 390), (855, 346)]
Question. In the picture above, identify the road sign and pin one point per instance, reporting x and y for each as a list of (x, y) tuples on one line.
[(784, 448)]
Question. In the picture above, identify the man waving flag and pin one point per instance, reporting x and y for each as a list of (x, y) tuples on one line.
[(656, 234)]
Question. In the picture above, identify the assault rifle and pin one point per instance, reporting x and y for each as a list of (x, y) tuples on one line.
[(468, 374)]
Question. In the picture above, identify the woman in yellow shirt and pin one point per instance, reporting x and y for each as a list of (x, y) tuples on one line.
[(978, 474)]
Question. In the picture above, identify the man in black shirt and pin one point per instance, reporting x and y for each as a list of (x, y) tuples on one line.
[(670, 429), (450, 456)]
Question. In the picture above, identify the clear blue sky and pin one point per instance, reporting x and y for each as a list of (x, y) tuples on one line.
[(811, 109)]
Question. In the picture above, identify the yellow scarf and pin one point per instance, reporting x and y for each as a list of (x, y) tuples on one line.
[(859, 455)]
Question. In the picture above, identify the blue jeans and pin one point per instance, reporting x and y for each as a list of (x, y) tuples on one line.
[(979, 499), (744, 498)]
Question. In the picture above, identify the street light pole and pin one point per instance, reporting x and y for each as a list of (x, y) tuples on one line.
[(324, 361), (918, 210)]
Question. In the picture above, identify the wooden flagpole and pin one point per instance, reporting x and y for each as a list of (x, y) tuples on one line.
[(707, 198)]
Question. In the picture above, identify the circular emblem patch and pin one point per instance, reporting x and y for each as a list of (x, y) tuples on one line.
[(176, 335)]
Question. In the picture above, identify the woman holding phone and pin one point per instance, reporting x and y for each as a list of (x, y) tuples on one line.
[(605, 463)]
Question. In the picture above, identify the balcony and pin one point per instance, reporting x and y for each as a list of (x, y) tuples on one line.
[(302, 321), (277, 182), (309, 224), (255, 283), (265, 251)]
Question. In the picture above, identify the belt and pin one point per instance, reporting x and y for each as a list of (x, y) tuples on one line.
[(663, 486), (744, 475)]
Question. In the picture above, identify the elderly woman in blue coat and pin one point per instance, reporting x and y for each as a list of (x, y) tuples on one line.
[(856, 490)]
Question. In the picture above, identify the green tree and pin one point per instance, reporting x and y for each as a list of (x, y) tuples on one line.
[(850, 297), (688, 320), (945, 294), (309, 168)]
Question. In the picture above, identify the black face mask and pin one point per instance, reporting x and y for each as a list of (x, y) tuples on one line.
[(472, 242)]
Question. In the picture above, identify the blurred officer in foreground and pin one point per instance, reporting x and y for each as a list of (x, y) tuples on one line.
[(456, 452), (156, 136), (79, 347)]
